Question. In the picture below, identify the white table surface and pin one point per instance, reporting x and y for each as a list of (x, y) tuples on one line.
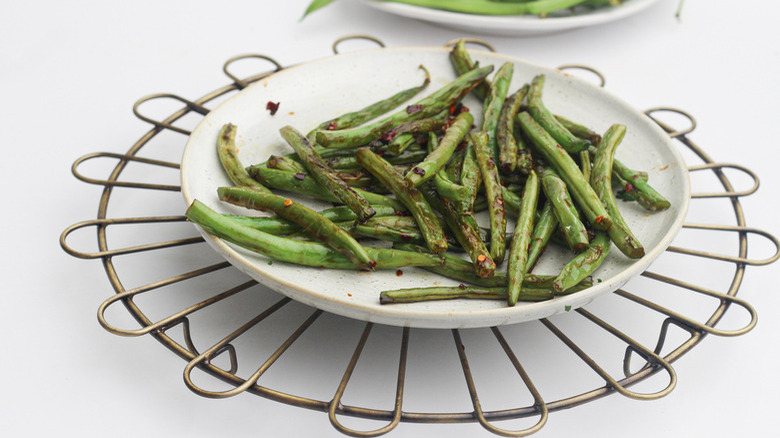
[(70, 72)]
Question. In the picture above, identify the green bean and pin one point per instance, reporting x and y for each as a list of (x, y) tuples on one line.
[(461, 270), (298, 252), (426, 107), (436, 159), (409, 155), (496, 209), (490, 7), (400, 143), (525, 160), (228, 156), (313, 223), (505, 131), (585, 165), (547, 120), (288, 164), (466, 231), (601, 180), (278, 226), (374, 110), (409, 196), (403, 135), (391, 229), (470, 176), (444, 185), (579, 130), (436, 293), (326, 176), (304, 185), (556, 191), (567, 169), (454, 168), (491, 108), (518, 249), (546, 224), (462, 62), (643, 192), (584, 264)]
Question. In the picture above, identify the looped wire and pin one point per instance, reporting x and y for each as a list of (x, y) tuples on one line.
[(355, 37), (123, 157), (476, 41), (190, 106), (243, 83), (673, 134), (602, 78)]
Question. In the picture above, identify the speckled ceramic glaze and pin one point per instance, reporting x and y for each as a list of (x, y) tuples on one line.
[(518, 25), (312, 92)]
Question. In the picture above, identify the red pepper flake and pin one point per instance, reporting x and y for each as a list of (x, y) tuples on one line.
[(599, 219), (287, 202), (452, 109), (404, 213), (463, 286), (291, 113), (411, 109), (332, 126), (349, 294), (372, 264), (418, 171), (388, 136), (481, 258), (629, 187), (405, 237), (272, 107), (399, 273), (300, 176)]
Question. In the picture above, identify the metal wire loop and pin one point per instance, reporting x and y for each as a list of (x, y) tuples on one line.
[(102, 223), (689, 322), (730, 193), (602, 78), (243, 83), (673, 134), (335, 403), (648, 355), (190, 106), (355, 37), (738, 229), (476, 41), (125, 158), (205, 358), (171, 320)]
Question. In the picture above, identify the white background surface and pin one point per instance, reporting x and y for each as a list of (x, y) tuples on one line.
[(70, 72)]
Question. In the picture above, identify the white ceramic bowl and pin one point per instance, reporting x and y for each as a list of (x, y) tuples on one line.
[(315, 91), (521, 25)]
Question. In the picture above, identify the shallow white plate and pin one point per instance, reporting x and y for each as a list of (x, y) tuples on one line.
[(522, 25), (318, 90)]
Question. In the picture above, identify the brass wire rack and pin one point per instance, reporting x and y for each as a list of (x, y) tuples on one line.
[(221, 350)]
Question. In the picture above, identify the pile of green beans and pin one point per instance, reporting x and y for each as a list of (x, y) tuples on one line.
[(556, 179)]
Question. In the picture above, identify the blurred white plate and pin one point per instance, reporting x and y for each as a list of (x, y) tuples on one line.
[(519, 25), (315, 91)]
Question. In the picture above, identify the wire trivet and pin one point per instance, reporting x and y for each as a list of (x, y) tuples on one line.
[(233, 341)]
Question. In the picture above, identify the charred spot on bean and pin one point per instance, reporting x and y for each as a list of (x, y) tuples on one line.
[(272, 107), (418, 171), (412, 109), (462, 286), (332, 126)]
